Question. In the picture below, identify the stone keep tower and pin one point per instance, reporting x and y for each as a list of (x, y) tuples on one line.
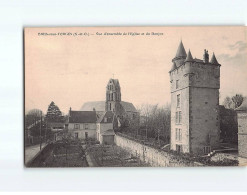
[(195, 87), (113, 96)]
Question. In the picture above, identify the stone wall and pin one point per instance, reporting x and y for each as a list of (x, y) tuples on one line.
[(242, 133), (153, 156)]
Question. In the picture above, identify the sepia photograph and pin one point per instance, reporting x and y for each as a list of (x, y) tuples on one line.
[(135, 96)]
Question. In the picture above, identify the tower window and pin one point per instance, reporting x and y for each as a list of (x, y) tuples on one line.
[(178, 134), (179, 117), (110, 106), (178, 100)]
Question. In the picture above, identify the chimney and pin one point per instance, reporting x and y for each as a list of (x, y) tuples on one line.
[(205, 56)]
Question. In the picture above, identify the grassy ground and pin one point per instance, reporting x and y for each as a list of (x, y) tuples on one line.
[(113, 156), (60, 156)]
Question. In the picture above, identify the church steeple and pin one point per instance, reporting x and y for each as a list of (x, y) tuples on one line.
[(113, 95)]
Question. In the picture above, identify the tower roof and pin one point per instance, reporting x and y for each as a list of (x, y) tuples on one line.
[(189, 57), (173, 67), (213, 60), (181, 51)]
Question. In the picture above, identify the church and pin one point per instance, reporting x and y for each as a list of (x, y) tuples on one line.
[(113, 102), (99, 120)]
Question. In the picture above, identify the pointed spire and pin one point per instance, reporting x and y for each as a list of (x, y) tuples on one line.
[(189, 57), (213, 60), (173, 66), (181, 51)]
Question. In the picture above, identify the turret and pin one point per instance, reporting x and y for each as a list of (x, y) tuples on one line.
[(189, 57), (214, 60), (180, 55)]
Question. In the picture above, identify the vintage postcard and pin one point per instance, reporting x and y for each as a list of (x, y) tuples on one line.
[(135, 96)]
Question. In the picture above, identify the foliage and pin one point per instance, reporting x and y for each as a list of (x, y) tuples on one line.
[(54, 114), (237, 100), (233, 102), (33, 117)]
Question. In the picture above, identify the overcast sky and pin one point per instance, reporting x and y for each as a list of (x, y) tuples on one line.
[(71, 70)]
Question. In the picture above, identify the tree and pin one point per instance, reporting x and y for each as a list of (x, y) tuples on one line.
[(237, 100), (53, 113), (228, 103), (32, 117)]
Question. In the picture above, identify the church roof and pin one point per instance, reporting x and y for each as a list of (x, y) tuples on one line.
[(213, 60), (243, 106), (100, 106), (82, 117), (181, 51), (97, 105), (189, 57)]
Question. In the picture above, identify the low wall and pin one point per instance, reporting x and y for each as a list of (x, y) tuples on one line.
[(153, 156)]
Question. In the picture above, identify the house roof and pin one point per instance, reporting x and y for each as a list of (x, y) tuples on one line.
[(100, 106), (82, 117), (109, 132), (243, 106), (55, 124), (109, 115), (181, 51)]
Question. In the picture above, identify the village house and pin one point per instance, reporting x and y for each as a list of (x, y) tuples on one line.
[(106, 125), (82, 124)]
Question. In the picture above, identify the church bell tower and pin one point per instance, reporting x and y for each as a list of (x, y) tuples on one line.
[(113, 96)]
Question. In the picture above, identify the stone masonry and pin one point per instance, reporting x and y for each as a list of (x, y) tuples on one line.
[(195, 87)]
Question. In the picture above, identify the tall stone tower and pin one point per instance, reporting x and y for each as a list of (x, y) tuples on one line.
[(113, 96), (195, 87)]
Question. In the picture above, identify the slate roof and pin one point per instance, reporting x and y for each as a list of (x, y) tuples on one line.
[(243, 106), (89, 106), (181, 51), (100, 106), (82, 117), (109, 115), (109, 132), (174, 67), (198, 60), (213, 60), (189, 57)]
